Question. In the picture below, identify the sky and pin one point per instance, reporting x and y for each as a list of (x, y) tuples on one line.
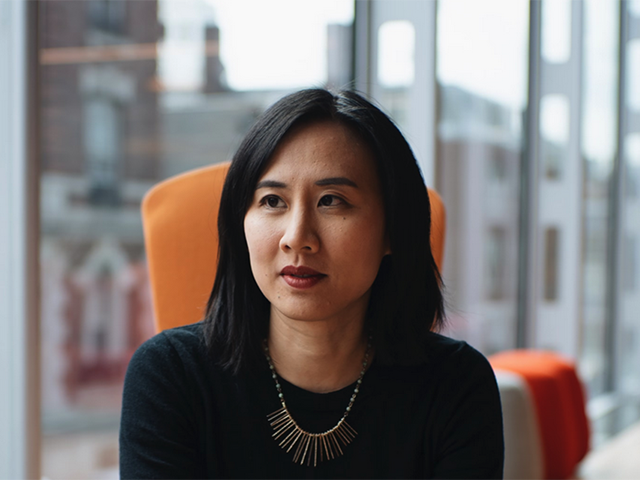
[(277, 44), (482, 46)]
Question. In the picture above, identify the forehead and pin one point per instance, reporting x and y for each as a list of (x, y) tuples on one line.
[(323, 148)]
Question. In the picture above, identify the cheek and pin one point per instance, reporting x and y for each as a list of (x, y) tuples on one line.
[(362, 242), (262, 242)]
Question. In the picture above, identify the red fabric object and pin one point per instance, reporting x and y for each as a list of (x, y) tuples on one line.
[(559, 403)]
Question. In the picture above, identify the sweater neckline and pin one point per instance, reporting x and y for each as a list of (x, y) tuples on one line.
[(300, 399)]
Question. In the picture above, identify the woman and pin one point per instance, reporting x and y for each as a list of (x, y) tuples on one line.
[(317, 356)]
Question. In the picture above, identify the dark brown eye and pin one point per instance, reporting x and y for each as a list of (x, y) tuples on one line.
[(326, 200), (329, 200), (272, 201)]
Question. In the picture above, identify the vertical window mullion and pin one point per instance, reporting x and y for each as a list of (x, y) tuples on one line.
[(615, 205), (527, 291), (19, 347)]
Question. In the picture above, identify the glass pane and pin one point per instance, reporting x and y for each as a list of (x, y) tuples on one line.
[(599, 137), (556, 30), (396, 47), (482, 54), (633, 74), (132, 93), (629, 333), (554, 134)]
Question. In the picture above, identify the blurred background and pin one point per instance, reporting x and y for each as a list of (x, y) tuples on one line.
[(525, 116)]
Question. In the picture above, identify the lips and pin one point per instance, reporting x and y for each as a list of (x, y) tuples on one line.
[(301, 277)]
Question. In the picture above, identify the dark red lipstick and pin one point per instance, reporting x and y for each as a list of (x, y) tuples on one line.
[(301, 277)]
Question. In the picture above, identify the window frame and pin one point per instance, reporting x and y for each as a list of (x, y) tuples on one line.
[(19, 222)]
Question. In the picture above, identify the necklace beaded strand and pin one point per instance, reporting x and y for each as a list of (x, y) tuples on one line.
[(320, 446)]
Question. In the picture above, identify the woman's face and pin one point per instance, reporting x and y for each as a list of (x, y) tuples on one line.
[(315, 228)]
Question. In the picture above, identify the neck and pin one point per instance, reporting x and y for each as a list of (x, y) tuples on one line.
[(317, 356)]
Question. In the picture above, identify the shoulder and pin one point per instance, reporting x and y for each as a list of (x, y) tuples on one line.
[(460, 371), (448, 353), (186, 337), (163, 403), (441, 353), (467, 430), (455, 366), (447, 365), (171, 349), (170, 364)]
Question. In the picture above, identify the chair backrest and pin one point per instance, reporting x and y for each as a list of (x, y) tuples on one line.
[(560, 407), (180, 218)]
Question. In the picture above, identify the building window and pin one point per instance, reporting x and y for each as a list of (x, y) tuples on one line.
[(551, 261), (497, 272), (102, 132), (107, 15)]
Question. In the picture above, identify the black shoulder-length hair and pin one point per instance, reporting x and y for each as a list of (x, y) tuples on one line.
[(406, 301)]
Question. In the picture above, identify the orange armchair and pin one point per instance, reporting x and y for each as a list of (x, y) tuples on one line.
[(559, 402), (180, 220)]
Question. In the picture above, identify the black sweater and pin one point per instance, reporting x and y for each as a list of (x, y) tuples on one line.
[(184, 417)]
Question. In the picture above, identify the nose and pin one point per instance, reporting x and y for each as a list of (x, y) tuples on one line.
[(300, 233)]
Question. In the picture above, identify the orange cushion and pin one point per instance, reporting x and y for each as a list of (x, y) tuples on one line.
[(560, 406), (180, 221), (438, 226)]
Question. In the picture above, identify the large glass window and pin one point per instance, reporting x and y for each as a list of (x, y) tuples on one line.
[(628, 340), (599, 148), (132, 93), (396, 68), (482, 50)]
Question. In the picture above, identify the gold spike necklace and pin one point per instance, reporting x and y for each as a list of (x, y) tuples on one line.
[(311, 448)]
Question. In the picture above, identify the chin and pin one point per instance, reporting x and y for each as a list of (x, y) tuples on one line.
[(303, 314)]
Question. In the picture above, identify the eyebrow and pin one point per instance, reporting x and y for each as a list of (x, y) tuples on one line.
[(270, 184), (336, 181), (321, 183)]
